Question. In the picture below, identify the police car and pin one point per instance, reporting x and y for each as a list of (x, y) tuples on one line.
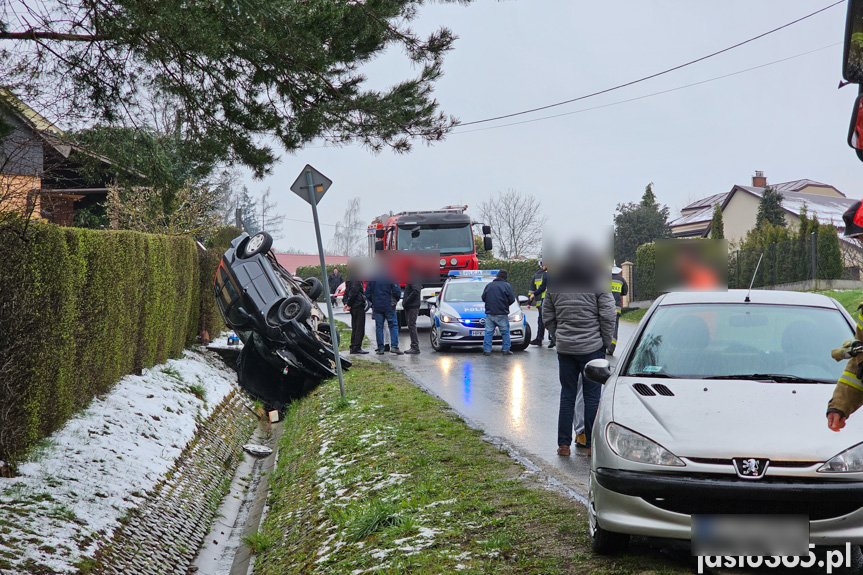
[(458, 314)]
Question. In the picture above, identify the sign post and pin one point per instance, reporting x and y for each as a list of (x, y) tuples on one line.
[(315, 186)]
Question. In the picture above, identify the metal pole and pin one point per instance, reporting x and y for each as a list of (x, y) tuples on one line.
[(814, 261), (334, 334)]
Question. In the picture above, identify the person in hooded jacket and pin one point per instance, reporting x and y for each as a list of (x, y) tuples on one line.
[(498, 296)]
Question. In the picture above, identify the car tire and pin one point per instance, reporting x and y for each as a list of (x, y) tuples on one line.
[(313, 288), (260, 243), (524, 345), (601, 541), (435, 340), (294, 308)]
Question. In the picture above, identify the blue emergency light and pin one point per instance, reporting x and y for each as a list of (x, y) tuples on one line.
[(472, 273)]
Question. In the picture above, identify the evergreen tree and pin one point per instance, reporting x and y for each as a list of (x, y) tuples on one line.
[(770, 209), (717, 228), (638, 224)]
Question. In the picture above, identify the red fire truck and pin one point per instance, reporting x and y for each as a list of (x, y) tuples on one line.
[(448, 231)]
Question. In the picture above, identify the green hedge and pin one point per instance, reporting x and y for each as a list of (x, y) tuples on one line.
[(210, 318), (82, 308), (645, 273), (315, 271)]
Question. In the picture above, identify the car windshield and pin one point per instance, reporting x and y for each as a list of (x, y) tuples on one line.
[(727, 340), (464, 291), (447, 239)]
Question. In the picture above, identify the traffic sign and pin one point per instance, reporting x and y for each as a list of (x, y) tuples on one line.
[(319, 183)]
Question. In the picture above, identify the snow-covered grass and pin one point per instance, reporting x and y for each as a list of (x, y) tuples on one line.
[(74, 488)]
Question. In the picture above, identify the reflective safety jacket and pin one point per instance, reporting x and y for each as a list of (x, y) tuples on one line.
[(618, 289), (540, 280), (848, 394)]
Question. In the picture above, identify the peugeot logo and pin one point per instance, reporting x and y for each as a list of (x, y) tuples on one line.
[(750, 468)]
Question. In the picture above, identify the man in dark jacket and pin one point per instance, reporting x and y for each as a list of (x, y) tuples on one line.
[(334, 281), (411, 305), (540, 281), (355, 303), (382, 294), (619, 288), (582, 325), (498, 296)]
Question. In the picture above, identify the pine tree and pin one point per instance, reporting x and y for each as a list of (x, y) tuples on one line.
[(717, 228), (770, 209), (638, 224)]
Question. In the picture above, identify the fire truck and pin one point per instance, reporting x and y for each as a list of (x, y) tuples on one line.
[(447, 231)]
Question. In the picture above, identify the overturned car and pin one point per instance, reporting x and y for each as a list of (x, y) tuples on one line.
[(287, 342)]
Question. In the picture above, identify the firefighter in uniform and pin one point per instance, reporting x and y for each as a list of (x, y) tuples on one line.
[(618, 290), (540, 279), (848, 393)]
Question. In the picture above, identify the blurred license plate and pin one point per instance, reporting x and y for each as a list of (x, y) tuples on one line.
[(477, 332), (751, 535)]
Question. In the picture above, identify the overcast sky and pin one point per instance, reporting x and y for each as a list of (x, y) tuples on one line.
[(788, 119)]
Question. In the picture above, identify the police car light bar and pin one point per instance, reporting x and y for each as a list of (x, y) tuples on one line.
[(472, 273)]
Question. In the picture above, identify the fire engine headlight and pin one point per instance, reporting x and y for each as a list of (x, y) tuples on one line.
[(516, 317), (443, 261), (453, 261), (848, 461), (448, 318), (635, 447)]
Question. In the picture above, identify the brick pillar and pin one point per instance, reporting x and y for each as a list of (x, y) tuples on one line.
[(628, 274)]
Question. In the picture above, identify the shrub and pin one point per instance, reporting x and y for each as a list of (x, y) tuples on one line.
[(519, 272), (82, 308), (645, 272)]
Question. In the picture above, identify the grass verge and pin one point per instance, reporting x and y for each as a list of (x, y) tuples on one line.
[(392, 481), (633, 315)]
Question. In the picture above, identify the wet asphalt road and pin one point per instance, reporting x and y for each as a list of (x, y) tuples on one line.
[(514, 398)]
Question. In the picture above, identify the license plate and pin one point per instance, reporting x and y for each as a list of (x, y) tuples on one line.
[(477, 332)]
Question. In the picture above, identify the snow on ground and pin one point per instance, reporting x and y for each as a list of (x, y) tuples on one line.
[(97, 467)]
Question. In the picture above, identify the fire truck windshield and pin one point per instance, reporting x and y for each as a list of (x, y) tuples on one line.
[(448, 239)]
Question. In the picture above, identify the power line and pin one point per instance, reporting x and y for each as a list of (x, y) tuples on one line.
[(714, 79), (656, 75)]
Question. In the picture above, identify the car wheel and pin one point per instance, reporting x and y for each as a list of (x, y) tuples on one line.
[(601, 541), (313, 288), (523, 345), (435, 340), (260, 243), (295, 307)]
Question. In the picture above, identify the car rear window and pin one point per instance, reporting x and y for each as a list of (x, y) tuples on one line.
[(718, 340)]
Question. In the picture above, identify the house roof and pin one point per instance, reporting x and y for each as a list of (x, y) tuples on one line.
[(829, 209), (707, 202), (702, 215), (293, 261), (798, 185)]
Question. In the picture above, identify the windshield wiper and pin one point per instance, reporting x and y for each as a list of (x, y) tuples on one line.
[(777, 377), (652, 374)]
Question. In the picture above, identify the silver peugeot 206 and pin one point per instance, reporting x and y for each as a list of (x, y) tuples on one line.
[(717, 407)]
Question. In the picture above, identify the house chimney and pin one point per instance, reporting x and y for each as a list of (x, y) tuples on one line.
[(758, 180)]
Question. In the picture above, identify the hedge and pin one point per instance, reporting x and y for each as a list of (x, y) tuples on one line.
[(82, 308), (519, 272), (315, 271), (645, 272)]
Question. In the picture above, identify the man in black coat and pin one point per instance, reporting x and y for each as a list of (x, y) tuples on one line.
[(334, 281), (355, 303), (540, 283), (498, 296), (411, 304)]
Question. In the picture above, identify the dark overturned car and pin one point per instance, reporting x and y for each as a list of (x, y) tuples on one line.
[(287, 342)]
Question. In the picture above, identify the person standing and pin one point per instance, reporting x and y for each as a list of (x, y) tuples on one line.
[(355, 303), (619, 288), (582, 325), (540, 279), (334, 281), (382, 294), (411, 305), (498, 296)]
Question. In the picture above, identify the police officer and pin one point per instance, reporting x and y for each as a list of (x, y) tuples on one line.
[(540, 280), (618, 290)]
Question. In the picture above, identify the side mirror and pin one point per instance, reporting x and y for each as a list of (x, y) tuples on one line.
[(852, 61), (431, 299), (486, 243), (522, 299), (380, 233), (598, 370), (855, 131), (379, 245), (486, 230)]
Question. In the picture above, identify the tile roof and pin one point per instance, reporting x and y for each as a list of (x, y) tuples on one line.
[(707, 202)]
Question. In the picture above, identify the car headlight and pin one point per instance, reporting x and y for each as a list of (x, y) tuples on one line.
[(516, 317), (453, 261), (848, 461), (635, 447), (448, 318), (443, 261)]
